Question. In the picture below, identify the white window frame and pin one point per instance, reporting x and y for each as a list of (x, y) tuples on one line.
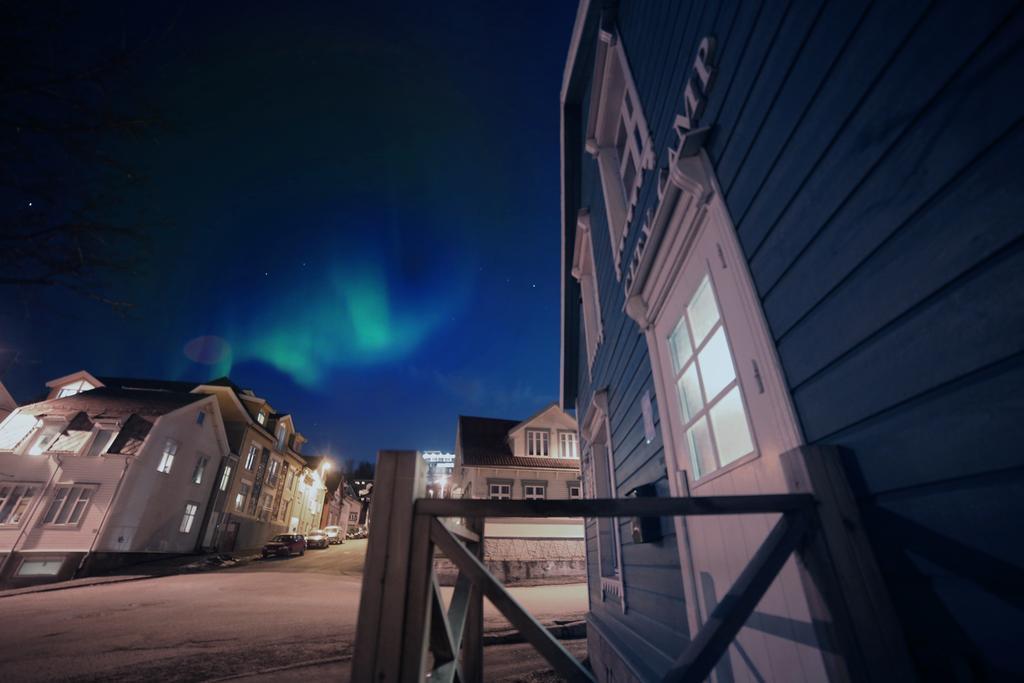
[(250, 458), (499, 491), (535, 491), (244, 491), (585, 273), (574, 486), (189, 518), (614, 106), (225, 478), (261, 417), (74, 388), (46, 559), (566, 435), (282, 436), (200, 469), (95, 438), (272, 471), (599, 472), (27, 493), (68, 505), (45, 427), (167, 456), (538, 443)]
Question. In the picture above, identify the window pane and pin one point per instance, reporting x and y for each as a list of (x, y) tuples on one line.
[(716, 364), (679, 345), (701, 451), (703, 311), (629, 177), (620, 139), (730, 424), (690, 401)]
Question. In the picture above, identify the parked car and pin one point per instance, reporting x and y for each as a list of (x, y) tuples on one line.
[(317, 539), (357, 532), (334, 534), (285, 544)]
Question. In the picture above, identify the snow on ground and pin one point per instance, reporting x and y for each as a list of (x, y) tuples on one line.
[(209, 625)]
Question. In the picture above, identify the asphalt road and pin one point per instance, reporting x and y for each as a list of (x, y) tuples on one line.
[(217, 624)]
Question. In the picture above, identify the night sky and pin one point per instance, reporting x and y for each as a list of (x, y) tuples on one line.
[(358, 215)]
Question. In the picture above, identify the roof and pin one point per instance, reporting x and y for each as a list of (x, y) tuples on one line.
[(138, 408), (484, 442)]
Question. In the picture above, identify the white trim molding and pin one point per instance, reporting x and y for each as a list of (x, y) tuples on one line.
[(585, 272), (618, 137)]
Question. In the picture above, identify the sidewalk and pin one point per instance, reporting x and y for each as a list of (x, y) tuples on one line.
[(184, 564)]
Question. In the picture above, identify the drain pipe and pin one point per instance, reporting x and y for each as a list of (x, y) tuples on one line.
[(103, 522)]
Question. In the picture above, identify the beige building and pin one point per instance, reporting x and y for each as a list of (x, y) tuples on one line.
[(97, 476), (532, 459)]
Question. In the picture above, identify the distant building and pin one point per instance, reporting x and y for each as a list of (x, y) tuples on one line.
[(532, 459), (439, 473), (99, 476)]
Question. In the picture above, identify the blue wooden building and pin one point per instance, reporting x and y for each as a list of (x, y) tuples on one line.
[(790, 224)]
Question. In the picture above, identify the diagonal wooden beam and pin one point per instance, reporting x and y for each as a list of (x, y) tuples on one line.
[(462, 533), (711, 642), (443, 644), (538, 636), (458, 608)]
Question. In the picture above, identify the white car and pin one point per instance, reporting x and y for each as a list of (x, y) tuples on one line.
[(334, 535)]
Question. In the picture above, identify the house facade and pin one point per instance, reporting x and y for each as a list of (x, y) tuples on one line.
[(532, 459), (788, 226), (96, 477)]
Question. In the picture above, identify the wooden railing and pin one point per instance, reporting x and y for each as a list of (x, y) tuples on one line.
[(405, 633)]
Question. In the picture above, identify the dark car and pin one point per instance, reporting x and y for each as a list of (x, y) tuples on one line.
[(285, 544), (317, 539)]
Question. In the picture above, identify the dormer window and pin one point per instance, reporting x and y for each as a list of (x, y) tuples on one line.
[(538, 443), (261, 417), (281, 436), (567, 445), (44, 437), (74, 388), (104, 437)]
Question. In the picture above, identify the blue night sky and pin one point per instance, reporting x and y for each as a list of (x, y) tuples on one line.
[(359, 216)]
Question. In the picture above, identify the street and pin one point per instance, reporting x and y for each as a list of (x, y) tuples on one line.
[(225, 623)]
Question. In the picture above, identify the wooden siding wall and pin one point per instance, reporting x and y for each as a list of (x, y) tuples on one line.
[(870, 156)]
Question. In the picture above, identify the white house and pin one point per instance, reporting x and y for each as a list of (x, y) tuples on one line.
[(95, 477), (532, 459)]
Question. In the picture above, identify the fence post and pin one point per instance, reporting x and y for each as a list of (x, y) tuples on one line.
[(845, 589), (473, 640), (399, 481)]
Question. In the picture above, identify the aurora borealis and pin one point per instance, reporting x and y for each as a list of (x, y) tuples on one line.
[(359, 216)]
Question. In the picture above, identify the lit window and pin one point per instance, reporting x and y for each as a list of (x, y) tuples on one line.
[(710, 400), (240, 497), (500, 491), (188, 518), (567, 445), (537, 442), (272, 472), (225, 478), (101, 442), (14, 503), (261, 417), (167, 459), (533, 491), (40, 566), (197, 473), (45, 436), (74, 388), (281, 434), (68, 505), (250, 458)]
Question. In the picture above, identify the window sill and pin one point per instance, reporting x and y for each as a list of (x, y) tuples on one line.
[(722, 471)]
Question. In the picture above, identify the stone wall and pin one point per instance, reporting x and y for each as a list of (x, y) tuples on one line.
[(521, 561)]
